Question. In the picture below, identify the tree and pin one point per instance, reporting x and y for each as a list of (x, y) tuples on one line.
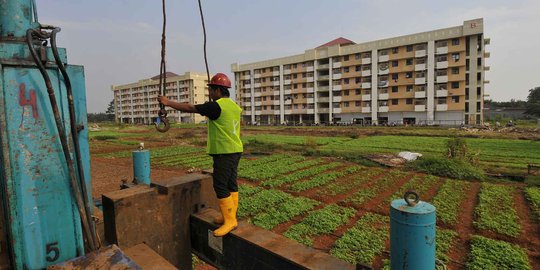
[(110, 108), (533, 102)]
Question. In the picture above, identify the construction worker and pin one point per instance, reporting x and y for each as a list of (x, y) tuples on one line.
[(224, 145)]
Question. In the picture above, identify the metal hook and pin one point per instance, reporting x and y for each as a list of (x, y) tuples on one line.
[(162, 119), (411, 201)]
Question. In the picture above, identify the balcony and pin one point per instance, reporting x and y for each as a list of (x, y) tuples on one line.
[(420, 80), (276, 112), (247, 104), (257, 85), (257, 75), (382, 84), (309, 69), (276, 102), (286, 71), (287, 102), (383, 58), (310, 100), (323, 99), (336, 87), (276, 93), (383, 96), (309, 79), (486, 68), (420, 53), (420, 94), (487, 54), (442, 64), (310, 111), (419, 108), (383, 71), (323, 88), (366, 60), (310, 90), (366, 97), (323, 110), (258, 112), (441, 50), (258, 103), (288, 111), (441, 93), (442, 79), (366, 85), (247, 85), (246, 95), (286, 82), (419, 67), (246, 77), (323, 77), (325, 66), (275, 73), (383, 108), (275, 83), (442, 107), (366, 109), (336, 64), (487, 41), (366, 73), (287, 92), (336, 98), (257, 94), (336, 110), (336, 76)]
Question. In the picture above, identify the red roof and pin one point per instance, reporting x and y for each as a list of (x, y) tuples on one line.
[(338, 41), (167, 75)]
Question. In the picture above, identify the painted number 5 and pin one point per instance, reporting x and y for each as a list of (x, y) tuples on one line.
[(52, 252)]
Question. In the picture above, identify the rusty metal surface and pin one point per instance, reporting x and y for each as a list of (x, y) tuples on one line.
[(250, 247), (147, 258), (110, 257), (157, 216)]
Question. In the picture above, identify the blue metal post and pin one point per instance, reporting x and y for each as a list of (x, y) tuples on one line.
[(16, 17), (141, 166), (412, 235)]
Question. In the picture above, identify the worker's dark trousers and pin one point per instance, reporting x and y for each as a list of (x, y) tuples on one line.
[(225, 173)]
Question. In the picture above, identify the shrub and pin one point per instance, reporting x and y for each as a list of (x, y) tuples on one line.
[(447, 168), (105, 137)]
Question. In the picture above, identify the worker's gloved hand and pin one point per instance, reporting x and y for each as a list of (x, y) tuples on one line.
[(163, 100)]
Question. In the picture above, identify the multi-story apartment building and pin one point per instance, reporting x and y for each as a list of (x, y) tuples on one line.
[(434, 77), (136, 103)]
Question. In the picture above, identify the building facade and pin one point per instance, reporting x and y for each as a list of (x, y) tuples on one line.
[(434, 77), (136, 103)]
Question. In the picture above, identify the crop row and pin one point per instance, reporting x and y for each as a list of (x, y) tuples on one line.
[(323, 179), (364, 241), (160, 152), (246, 163), (269, 169), (289, 167), (533, 196), (298, 175), (418, 183), (448, 200), (349, 183), (371, 192), (318, 222), (489, 254), (284, 212), (251, 205), (496, 212)]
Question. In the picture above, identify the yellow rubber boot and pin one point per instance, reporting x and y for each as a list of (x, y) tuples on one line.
[(229, 214), (234, 195)]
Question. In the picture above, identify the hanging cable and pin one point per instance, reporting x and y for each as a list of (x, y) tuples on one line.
[(162, 114), (204, 44)]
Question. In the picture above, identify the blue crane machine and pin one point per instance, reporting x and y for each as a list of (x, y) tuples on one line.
[(45, 161)]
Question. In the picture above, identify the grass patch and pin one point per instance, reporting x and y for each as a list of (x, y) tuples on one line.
[(489, 254), (496, 211), (446, 167)]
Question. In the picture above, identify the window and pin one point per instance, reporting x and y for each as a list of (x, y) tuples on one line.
[(408, 101), (478, 91), (303, 64), (346, 104), (295, 96), (357, 103), (357, 56), (357, 80), (296, 106), (357, 92), (394, 89), (346, 81), (357, 68), (479, 61), (408, 75), (455, 41), (409, 61), (395, 101), (455, 85), (304, 75), (466, 106), (294, 76), (395, 63), (395, 50), (455, 70), (455, 99), (294, 65), (395, 76), (409, 88), (455, 56), (346, 69), (304, 85), (478, 108), (346, 58), (346, 92), (295, 86), (409, 48)]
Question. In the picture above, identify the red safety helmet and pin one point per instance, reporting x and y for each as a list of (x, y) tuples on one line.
[(220, 79)]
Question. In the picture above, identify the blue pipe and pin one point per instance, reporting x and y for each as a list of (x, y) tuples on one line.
[(141, 167), (412, 235), (16, 16)]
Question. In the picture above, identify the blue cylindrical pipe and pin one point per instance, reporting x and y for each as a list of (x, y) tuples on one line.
[(141, 166), (412, 235), (16, 16)]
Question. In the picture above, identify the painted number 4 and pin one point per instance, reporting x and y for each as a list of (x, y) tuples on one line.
[(52, 252)]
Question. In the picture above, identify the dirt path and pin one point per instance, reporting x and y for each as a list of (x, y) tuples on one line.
[(530, 227)]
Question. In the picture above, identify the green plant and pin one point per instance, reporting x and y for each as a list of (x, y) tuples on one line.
[(533, 196), (496, 212), (260, 201), (418, 183), (371, 192), (295, 176), (322, 179), (283, 212), (448, 200), (489, 254), (457, 148), (446, 167), (444, 239)]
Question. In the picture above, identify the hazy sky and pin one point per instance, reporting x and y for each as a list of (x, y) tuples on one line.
[(118, 41)]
